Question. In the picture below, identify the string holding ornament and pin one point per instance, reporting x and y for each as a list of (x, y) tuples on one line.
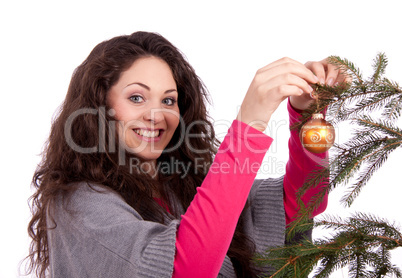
[(317, 135)]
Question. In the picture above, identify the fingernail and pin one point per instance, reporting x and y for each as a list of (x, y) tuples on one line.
[(322, 81), (330, 82), (312, 94)]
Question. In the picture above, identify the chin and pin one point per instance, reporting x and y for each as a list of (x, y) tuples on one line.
[(147, 156)]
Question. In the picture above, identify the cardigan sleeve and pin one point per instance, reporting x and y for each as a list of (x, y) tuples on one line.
[(300, 164)]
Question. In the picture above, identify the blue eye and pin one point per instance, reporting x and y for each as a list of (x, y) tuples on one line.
[(136, 99), (169, 101)]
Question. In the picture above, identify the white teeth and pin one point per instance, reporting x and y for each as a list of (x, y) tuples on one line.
[(147, 133)]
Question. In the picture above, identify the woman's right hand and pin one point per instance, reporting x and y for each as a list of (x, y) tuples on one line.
[(271, 85)]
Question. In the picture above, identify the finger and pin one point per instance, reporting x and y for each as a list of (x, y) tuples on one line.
[(333, 74), (319, 69), (285, 90), (284, 60), (295, 80), (290, 65), (288, 80), (287, 69), (343, 77), (348, 78)]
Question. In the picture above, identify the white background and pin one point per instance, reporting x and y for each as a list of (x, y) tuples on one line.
[(225, 41)]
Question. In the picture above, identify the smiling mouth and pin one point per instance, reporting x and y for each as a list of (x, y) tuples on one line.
[(148, 133)]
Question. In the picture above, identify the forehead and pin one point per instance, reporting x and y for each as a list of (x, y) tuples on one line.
[(151, 69)]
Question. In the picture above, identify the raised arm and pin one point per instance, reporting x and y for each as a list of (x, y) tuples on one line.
[(301, 162), (299, 166)]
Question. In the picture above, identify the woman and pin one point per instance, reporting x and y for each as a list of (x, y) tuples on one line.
[(132, 185)]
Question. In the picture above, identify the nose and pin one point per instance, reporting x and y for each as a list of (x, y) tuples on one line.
[(154, 115)]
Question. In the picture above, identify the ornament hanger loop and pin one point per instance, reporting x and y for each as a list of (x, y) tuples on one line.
[(314, 95)]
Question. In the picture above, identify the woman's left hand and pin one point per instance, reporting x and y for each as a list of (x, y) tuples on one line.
[(328, 74)]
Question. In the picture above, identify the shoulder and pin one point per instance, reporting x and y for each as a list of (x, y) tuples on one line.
[(91, 203), (83, 193)]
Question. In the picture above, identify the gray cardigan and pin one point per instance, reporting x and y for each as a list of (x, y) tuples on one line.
[(98, 234)]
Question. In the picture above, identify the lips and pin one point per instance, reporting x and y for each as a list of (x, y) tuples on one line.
[(149, 135)]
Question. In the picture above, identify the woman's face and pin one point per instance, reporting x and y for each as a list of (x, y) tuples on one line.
[(145, 103)]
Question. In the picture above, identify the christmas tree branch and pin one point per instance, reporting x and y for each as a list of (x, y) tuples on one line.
[(380, 63), (346, 67), (339, 105), (382, 126), (369, 146), (362, 242), (345, 101)]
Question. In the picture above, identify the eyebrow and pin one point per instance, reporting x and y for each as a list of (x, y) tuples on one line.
[(148, 88)]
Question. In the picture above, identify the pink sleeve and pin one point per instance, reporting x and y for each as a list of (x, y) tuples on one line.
[(301, 163), (207, 227)]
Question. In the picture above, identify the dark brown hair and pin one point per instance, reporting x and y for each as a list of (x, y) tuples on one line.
[(100, 161)]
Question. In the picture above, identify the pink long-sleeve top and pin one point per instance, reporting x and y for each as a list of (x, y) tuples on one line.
[(207, 227)]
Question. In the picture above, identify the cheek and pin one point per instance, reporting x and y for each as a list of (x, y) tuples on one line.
[(116, 110), (121, 136), (173, 119), (126, 114)]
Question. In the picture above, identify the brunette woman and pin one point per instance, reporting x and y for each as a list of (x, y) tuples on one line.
[(132, 183)]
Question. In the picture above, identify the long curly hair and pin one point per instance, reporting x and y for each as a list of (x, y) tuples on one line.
[(79, 148)]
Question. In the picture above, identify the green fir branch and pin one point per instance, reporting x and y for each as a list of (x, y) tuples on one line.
[(369, 149), (379, 65), (362, 242), (364, 177), (347, 101), (346, 67)]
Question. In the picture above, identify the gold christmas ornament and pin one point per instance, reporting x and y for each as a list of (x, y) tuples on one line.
[(317, 135)]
